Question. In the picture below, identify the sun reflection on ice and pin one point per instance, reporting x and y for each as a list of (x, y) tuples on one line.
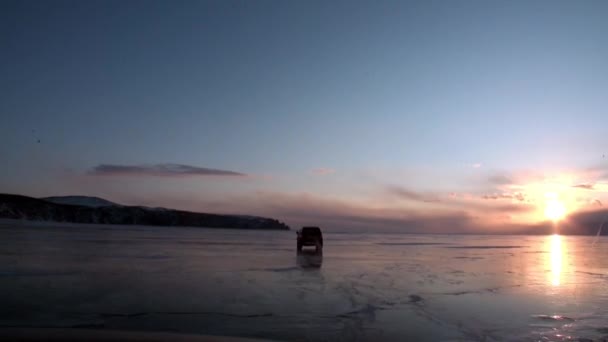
[(556, 259)]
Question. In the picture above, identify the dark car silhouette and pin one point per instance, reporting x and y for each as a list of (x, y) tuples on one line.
[(310, 236)]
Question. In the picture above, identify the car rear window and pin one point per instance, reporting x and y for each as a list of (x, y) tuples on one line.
[(311, 231)]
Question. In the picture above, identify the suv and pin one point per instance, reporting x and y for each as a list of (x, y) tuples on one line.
[(310, 236)]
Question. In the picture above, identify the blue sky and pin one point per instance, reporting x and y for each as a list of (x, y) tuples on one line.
[(435, 97)]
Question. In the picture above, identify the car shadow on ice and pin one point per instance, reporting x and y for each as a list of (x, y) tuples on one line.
[(309, 259)]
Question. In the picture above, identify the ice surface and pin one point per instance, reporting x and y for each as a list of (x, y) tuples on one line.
[(364, 287)]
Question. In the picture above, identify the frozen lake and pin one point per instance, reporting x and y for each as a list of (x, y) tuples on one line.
[(365, 287)]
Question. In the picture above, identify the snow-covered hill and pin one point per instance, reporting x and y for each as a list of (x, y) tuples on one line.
[(87, 201), (81, 209)]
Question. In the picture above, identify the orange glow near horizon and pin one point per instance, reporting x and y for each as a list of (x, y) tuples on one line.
[(553, 198)]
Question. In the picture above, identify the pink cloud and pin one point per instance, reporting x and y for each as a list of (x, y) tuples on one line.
[(160, 170), (411, 195), (509, 196), (584, 186), (323, 171)]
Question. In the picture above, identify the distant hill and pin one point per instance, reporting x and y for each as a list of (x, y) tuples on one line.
[(587, 222), (82, 209), (93, 202)]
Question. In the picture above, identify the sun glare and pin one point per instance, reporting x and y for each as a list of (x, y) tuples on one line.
[(554, 208)]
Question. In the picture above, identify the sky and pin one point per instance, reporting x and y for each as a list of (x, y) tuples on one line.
[(425, 116)]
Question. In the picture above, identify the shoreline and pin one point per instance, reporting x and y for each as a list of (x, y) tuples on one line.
[(8, 223)]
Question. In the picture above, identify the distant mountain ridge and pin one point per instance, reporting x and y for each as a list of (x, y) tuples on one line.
[(84, 209), (87, 201)]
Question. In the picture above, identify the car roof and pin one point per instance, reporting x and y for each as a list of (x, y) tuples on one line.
[(315, 229)]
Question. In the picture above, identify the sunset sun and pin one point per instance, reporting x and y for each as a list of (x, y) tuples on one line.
[(554, 208)]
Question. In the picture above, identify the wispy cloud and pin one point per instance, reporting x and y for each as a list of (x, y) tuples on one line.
[(161, 170), (584, 186), (500, 180), (518, 196), (509, 207), (411, 195), (306, 209), (476, 165), (321, 171)]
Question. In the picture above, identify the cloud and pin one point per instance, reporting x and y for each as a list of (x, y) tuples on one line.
[(452, 202), (446, 217), (161, 170), (322, 171), (485, 207), (494, 197), (584, 186), (411, 195), (517, 196), (511, 207), (310, 209), (476, 165), (500, 180)]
